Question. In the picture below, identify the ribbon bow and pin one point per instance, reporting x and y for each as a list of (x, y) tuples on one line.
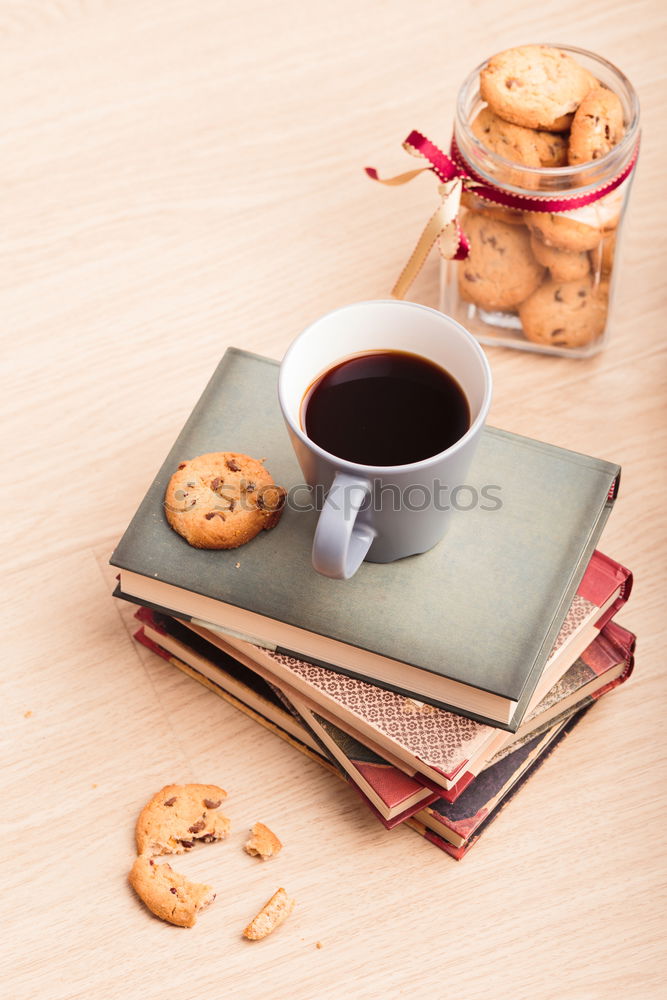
[(443, 226)]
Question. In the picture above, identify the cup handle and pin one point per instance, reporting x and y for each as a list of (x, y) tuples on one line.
[(340, 544)]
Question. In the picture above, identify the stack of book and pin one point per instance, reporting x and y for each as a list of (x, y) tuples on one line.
[(435, 685)]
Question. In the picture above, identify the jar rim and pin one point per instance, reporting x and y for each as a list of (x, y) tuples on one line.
[(619, 153)]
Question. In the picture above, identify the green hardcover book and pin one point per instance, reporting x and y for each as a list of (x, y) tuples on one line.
[(467, 626)]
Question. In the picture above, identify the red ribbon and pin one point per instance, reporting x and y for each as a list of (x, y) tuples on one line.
[(448, 168)]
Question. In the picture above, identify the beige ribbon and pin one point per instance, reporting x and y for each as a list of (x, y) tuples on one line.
[(441, 228)]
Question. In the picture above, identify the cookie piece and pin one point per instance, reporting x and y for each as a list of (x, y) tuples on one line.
[(564, 265), (596, 127), (274, 912), (180, 815), (527, 146), (565, 232), (535, 86), (167, 894), (222, 499), (565, 313), (500, 270), (262, 843)]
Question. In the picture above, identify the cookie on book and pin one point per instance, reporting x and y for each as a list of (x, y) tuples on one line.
[(262, 842), (274, 912), (222, 499), (536, 86), (168, 894), (179, 816)]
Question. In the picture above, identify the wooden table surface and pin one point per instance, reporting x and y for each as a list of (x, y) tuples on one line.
[(179, 176)]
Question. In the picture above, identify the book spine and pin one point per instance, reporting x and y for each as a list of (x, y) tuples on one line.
[(459, 852), (603, 576)]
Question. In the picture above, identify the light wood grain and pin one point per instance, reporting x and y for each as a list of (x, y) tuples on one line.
[(179, 176)]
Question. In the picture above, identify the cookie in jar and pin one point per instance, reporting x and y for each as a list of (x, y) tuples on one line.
[(546, 141)]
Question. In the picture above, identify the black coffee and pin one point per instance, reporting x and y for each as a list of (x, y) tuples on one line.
[(385, 408)]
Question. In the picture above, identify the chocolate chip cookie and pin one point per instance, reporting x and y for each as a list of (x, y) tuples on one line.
[(492, 211), (564, 265), (565, 232), (167, 894), (500, 271), (596, 127), (527, 146), (179, 816), (535, 86), (565, 314), (602, 258), (221, 500)]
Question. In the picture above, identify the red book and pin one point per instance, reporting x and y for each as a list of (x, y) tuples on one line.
[(444, 748), (459, 823)]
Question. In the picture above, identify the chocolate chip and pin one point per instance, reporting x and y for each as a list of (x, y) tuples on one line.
[(557, 296), (208, 838), (214, 513), (216, 483), (170, 802), (582, 293), (250, 487), (212, 804), (469, 276), (173, 890), (191, 485), (232, 505), (512, 82), (187, 843), (233, 466), (182, 465), (196, 827), (607, 133)]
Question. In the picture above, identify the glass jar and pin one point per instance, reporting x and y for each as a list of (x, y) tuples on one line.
[(571, 256)]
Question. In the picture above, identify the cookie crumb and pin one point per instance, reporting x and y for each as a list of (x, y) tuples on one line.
[(318, 944), (238, 565), (27, 715), (274, 912), (262, 843)]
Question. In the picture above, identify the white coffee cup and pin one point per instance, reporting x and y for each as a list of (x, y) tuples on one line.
[(351, 526)]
